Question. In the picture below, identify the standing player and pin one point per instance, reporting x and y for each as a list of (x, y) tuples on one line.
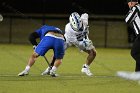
[(133, 20), (76, 33), (51, 38)]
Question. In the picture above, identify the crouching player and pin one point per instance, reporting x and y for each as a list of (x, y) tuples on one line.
[(76, 33), (51, 38)]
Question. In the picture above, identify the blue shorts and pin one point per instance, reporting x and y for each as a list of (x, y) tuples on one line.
[(49, 42)]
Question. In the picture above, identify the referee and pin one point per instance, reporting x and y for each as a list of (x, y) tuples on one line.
[(133, 20)]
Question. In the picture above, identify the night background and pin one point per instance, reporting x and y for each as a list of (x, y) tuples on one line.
[(108, 31), (101, 7), (24, 16)]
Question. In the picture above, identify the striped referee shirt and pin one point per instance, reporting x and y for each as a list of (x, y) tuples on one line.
[(133, 18)]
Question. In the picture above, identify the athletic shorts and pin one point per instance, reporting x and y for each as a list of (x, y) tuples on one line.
[(49, 42)]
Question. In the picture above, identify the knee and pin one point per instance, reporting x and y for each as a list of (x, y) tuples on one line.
[(93, 53), (34, 56)]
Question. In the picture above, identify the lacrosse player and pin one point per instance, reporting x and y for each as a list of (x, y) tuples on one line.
[(133, 20), (76, 33), (51, 38)]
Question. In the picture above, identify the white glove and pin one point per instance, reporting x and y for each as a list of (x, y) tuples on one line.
[(34, 47), (87, 42), (84, 18)]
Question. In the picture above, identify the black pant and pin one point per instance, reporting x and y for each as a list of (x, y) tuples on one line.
[(135, 52), (131, 35)]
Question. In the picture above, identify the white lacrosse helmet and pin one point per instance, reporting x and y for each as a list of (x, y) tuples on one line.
[(75, 21)]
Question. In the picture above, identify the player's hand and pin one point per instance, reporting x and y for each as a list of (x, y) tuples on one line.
[(87, 42), (34, 47)]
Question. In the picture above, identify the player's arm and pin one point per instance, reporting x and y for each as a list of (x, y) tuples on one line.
[(32, 38), (131, 15), (86, 41), (84, 18)]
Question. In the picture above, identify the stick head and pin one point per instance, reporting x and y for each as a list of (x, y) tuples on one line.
[(1, 17)]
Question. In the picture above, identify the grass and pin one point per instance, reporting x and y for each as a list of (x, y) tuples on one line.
[(13, 59)]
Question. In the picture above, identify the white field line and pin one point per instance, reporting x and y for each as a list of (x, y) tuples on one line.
[(65, 76)]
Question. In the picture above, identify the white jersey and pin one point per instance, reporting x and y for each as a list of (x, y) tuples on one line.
[(75, 37)]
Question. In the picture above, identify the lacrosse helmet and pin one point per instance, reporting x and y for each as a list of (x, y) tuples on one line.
[(75, 21)]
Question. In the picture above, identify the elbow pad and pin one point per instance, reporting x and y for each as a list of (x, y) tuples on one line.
[(32, 38)]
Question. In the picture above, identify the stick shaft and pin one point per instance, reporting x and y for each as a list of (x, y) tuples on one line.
[(47, 61)]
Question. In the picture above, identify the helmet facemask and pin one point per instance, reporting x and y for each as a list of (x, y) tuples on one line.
[(75, 21)]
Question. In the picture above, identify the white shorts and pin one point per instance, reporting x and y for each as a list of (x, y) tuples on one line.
[(81, 47)]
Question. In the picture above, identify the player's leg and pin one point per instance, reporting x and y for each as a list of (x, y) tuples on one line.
[(87, 47), (41, 49), (55, 67), (135, 53), (30, 63), (47, 71), (58, 54), (91, 56)]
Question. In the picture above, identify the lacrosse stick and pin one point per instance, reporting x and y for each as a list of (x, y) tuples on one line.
[(47, 61), (1, 18)]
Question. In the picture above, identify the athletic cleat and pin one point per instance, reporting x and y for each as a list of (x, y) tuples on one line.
[(53, 74), (123, 74), (23, 73), (47, 71), (129, 75), (86, 71)]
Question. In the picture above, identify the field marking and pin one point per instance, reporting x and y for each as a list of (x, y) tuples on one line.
[(67, 76)]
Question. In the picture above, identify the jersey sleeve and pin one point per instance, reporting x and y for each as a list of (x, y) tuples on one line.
[(131, 15), (32, 38)]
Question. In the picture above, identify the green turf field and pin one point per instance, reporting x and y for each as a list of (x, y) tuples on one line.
[(13, 59)]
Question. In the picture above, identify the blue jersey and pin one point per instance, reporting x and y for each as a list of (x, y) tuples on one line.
[(50, 42), (45, 29)]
